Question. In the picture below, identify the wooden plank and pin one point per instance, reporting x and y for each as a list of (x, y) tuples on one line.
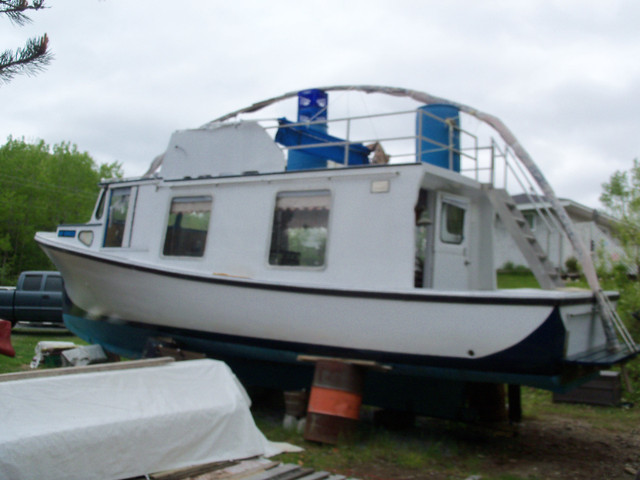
[(354, 361), (255, 468), (295, 474), (241, 471), (316, 476), (224, 470), (102, 367), (179, 354), (277, 473), (182, 473)]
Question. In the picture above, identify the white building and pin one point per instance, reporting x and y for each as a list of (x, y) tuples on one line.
[(594, 227)]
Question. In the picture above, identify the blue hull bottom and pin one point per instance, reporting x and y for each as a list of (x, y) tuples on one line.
[(535, 362)]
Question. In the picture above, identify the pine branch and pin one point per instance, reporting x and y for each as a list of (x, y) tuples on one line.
[(29, 60), (15, 9)]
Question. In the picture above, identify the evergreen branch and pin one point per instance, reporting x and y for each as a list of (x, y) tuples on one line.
[(31, 59), (15, 9)]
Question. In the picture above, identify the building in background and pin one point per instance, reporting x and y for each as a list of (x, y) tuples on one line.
[(594, 227)]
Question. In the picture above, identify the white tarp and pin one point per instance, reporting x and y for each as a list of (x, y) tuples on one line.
[(120, 424), (83, 355)]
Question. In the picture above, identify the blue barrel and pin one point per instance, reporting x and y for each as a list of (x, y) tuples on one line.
[(438, 141), (312, 107)]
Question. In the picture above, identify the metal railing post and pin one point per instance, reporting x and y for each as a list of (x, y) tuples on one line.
[(419, 137), (346, 145)]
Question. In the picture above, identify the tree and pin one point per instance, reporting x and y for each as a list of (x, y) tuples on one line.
[(40, 188), (621, 196), (35, 55)]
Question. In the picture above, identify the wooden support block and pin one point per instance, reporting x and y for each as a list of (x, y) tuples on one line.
[(606, 390), (352, 361)]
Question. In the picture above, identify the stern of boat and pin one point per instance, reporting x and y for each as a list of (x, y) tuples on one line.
[(587, 344)]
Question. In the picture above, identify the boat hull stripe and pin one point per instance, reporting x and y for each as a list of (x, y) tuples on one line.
[(431, 296)]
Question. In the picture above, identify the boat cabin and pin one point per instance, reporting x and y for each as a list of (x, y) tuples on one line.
[(293, 204)]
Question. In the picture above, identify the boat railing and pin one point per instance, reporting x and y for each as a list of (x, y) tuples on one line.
[(350, 133), (490, 163), (513, 169), (352, 140)]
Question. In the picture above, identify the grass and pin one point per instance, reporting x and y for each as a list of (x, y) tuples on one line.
[(450, 449), (375, 447), (517, 280), (525, 279), (539, 404), (24, 341)]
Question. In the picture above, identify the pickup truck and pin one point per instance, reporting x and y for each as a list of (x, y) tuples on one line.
[(37, 298)]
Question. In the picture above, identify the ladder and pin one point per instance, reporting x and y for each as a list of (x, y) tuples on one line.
[(545, 272)]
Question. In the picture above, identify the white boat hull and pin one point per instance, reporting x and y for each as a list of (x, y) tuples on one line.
[(447, 329)]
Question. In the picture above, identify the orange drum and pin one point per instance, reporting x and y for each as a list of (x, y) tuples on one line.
[(334, 403)]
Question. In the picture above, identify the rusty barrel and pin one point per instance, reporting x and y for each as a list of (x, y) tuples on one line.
[(334, 403)]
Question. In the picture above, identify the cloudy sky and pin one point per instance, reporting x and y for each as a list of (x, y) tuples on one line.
[(563, 75)]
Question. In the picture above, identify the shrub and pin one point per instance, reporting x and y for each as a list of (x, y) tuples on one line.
[(572, 265)]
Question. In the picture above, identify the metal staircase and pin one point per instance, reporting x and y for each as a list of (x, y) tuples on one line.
[(545, 272)]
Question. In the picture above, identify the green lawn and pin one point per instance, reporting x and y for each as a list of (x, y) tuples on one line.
[(517, 280), (24, 341)]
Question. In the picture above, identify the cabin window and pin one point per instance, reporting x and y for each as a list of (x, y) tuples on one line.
[(117, 217), (452, 224), (300, 227), (100, 207), (187, 226)]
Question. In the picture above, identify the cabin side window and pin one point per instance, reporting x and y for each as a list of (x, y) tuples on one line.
[(100, 206), (300, 228), (187, 226), (452, 224), (117, 216)]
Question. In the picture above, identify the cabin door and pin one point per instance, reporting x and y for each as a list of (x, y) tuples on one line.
[(451, 252)]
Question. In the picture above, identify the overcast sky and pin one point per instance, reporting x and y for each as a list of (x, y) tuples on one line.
[(564, 76)]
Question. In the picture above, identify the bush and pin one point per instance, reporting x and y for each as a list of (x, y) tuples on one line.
[(628, 305), (510, 267), (572, 265)]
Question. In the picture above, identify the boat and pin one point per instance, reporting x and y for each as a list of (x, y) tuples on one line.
[(257, 241)]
